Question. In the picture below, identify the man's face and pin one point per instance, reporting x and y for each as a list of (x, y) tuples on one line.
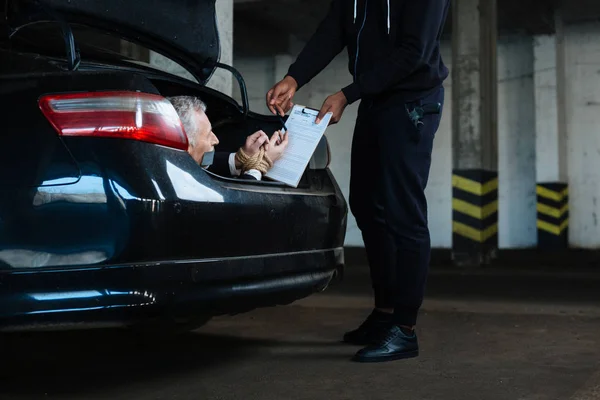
[(206, 140)]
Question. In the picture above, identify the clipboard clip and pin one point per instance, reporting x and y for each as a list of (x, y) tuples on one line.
[(308, 108)]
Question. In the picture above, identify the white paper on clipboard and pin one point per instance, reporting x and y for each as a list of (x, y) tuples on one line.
[(303, 137)]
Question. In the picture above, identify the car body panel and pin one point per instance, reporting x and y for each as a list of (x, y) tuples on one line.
[(129, 293), (31, 153), (174, 209)]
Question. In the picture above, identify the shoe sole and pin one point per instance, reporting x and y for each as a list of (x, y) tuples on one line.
[(393, 357)]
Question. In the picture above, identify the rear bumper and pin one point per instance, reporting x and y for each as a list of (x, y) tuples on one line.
[(125, 294)]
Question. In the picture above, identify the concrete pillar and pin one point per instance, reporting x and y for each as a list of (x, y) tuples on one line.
[(475, 142), (551, 139), (222, 80), (439, 186), (582, 112), (548, 167), (516, 143)]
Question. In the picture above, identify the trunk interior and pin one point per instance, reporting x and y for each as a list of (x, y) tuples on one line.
[(232, 127)]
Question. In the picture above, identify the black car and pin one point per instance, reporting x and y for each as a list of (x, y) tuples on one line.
[(104, 217)]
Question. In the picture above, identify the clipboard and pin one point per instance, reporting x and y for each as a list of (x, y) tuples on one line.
[(304, 136)]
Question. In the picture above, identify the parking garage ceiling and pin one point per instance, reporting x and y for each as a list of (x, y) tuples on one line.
[(300, 17)]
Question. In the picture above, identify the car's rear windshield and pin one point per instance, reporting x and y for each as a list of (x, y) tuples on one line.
[(94, 45)]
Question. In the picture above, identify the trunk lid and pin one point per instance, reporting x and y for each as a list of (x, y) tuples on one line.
[(182, 30)]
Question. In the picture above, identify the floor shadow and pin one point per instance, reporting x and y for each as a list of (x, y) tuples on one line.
[(35, 365), (58, 363)]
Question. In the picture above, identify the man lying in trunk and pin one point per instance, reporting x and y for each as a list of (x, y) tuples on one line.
[(251, 161)]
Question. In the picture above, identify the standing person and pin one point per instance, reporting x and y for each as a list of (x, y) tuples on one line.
[(398, 73)]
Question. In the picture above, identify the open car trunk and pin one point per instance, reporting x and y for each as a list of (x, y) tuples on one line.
[(155, 24)]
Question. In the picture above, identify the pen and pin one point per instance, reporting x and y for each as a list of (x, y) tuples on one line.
[(282, 121)]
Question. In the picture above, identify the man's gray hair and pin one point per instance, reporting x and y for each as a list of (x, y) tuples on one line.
[(185, 105)]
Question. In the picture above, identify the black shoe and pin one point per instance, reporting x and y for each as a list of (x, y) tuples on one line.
[(371, 330), (394, 345)]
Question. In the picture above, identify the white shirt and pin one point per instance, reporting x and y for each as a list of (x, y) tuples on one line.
[(237, 172)]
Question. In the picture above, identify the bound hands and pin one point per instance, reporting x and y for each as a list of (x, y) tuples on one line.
[(279, 100), (277, 145), (252, 147), (273, 148)]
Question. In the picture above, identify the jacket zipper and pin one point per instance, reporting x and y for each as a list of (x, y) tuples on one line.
[(358, 40)]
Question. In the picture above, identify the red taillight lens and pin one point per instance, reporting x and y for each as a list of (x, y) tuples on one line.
[(125, 115)]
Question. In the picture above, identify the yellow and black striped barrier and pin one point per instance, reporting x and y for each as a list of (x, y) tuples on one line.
[(553, 215), (474, 211)]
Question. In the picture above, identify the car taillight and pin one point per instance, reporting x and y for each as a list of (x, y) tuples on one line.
[(125, 115)]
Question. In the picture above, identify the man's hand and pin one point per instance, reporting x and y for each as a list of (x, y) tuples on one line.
[(336, 104), (253, 144), (279, 98), (279, 142)]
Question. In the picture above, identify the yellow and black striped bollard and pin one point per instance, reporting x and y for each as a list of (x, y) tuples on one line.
[(474, 216), (553, 215)]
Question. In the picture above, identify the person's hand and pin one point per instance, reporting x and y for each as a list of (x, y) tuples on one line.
[(336, 104), (279, 98), (253, 144), (278, 144)]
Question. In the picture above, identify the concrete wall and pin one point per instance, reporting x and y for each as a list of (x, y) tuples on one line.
[(259, 76), (583, 129)]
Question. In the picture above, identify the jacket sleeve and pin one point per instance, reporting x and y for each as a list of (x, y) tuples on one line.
[(220, 165), (326, 43), (417, 33)]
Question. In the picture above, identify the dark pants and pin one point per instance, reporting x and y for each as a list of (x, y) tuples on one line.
[(391, 159)]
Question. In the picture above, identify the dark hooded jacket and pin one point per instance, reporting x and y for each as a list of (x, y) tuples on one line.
[(393, 47)]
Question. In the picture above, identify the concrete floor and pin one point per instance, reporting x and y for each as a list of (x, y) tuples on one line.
[(495, 334)]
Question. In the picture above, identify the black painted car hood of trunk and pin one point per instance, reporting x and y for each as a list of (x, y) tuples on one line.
[(182, 30)]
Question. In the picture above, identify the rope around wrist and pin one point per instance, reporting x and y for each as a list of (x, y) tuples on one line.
[(259, 161)]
